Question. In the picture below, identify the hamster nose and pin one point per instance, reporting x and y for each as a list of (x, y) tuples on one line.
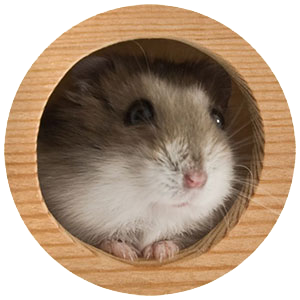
[(195, 179)]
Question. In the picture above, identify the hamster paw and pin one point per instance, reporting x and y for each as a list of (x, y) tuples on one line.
[(161, 250), (119, 249)]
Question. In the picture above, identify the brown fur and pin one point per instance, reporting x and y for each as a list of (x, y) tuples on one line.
[(89, 105)]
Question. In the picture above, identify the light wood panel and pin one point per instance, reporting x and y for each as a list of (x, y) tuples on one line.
[(149, 22)]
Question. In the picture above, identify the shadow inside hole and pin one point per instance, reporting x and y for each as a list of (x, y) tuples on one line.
[(244, 131)]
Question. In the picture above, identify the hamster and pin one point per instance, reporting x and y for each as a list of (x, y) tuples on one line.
[(133, 153)]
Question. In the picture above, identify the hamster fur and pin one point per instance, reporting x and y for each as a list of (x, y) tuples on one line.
[(118, 142)]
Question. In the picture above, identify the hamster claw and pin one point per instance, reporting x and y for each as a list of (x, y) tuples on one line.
[(119, 249), (161, 250)]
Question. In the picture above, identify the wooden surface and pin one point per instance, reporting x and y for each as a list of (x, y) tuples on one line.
[(149, 22)]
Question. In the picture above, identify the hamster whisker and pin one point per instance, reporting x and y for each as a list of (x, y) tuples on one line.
[(144, 55), (273, 211), (250, 122), (243, 142), (235, 117), (255, 186), (248, 159), (247, 169), (249, 199), (224, 215)]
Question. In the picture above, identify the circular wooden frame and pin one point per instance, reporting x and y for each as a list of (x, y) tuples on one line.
[(126, 24)]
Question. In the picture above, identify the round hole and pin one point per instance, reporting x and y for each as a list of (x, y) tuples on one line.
[(71, 131)]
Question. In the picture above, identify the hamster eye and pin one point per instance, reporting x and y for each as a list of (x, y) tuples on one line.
[(140, 111), (218, 118)]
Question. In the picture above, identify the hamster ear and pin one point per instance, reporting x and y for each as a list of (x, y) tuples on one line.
[(218, 83), (84, 77), (91, 68)]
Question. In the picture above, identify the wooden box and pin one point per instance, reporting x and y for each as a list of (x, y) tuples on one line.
[(246, 224)]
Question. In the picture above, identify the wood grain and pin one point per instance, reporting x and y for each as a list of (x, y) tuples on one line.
[(191, 270)]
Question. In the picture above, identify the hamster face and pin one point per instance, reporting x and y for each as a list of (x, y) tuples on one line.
[(180, 137), (136, 153)]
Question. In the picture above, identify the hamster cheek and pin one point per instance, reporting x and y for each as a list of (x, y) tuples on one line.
[(219, 163)]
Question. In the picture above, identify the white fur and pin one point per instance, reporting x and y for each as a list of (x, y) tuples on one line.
[(114, 201)]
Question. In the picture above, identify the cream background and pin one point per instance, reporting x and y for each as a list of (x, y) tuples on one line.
[(28, 28)]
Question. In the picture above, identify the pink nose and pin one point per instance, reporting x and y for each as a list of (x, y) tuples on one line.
[(195, 179)]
